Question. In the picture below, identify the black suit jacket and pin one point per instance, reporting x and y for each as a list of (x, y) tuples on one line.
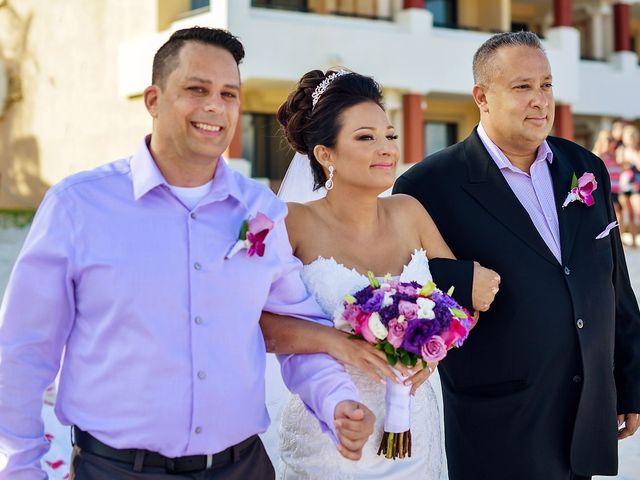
[(534, 392)]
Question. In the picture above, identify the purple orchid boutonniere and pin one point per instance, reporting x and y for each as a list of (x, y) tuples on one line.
[(253, 233), (582, 189)]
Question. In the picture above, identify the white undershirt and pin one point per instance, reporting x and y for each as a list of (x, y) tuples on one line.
[(190, 196)]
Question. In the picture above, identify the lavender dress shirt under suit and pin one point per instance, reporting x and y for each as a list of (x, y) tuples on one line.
[(534, 190), (164, 351)]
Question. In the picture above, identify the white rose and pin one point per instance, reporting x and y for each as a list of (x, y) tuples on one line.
[(425, 308), (376, 326)]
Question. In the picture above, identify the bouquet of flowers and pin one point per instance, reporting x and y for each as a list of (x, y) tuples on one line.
[(410, 322)]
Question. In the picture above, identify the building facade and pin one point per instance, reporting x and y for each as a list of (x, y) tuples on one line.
[(72, 72)]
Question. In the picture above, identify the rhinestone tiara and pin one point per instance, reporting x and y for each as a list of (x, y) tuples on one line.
[(320, 89)]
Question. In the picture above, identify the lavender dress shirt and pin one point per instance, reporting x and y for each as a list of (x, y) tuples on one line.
[(159, 333), (533, 190)]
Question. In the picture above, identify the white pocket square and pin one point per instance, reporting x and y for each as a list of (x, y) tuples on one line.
[(606, 231)]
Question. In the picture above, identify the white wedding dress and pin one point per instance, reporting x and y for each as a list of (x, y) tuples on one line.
[(307, 453)]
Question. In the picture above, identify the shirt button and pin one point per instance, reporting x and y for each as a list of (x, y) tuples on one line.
[(580, 323), (567, 271), (193, 215), (198, 320), (198, 430), (202, 375), (577, 379), (197, 266)]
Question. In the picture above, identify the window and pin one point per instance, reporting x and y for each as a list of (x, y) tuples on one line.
[(439, 135), (296, 5), (445, 12), (196, 4), (264, 145)]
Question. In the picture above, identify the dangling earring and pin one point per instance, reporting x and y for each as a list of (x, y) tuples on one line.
[(329, 183)]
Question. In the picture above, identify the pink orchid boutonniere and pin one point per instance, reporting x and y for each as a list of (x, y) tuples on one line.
[(582, 189), (252, 236)]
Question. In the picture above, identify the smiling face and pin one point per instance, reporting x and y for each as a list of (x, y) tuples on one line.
[(195, 114), (366, 151), (517, 106)]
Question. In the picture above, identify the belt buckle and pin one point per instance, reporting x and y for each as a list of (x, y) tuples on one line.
[(209, 462)]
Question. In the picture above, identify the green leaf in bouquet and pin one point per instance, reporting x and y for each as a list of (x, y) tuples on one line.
[(373, 280), (350, 299), (428, 289), (456, 312), (405, 358), (388, 348), (574, 181), (244, 229), (392, 358), (450, 291)]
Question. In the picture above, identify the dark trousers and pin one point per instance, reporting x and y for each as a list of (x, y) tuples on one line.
[(254, 464)]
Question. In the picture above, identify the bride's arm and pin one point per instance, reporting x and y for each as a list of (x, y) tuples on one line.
[(484, 281), (287, 335)]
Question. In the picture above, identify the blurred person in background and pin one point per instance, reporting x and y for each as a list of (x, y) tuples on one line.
[(628, 157), (605, 148)]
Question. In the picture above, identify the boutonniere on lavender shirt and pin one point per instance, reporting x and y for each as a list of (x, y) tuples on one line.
[(582, 189), (252, 236)]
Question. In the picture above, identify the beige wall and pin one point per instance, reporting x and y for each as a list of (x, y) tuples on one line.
[(66, 115), (486, 16), (464, 112)]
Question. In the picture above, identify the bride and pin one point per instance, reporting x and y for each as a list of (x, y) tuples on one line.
[(338, 124)]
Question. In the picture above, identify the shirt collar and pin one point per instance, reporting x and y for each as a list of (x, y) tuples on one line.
[(146, 176), (501, 160)]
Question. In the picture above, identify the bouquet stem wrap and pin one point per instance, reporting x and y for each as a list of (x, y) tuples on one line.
[(396, 440)]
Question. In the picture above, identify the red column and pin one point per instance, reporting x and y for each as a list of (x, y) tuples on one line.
[(413, 123), (413, 4), (621, 27), (563, 123), (235, 147), (562, 13)]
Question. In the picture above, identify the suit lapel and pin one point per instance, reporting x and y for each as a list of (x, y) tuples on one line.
[(568, 218), (488, 186)]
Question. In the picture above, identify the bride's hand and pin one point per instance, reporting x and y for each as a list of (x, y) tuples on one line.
[(365, 357), (421, 376)]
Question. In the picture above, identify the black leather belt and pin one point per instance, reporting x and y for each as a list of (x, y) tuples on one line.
[(138, 459)]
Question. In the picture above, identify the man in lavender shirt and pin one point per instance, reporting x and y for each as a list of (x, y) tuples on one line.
[(124, 274), (549, 379)]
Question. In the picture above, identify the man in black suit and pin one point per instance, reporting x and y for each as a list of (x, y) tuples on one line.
[(535, 391)]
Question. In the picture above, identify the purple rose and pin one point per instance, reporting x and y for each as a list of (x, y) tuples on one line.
[(434, 350), (396, 332), (417, 333), (374, 304)]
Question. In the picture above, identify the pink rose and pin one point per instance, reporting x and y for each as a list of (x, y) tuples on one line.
[(259, 223), (434, 350), (365, 331), (396, 332), (257, 231), (455, 333), (408, 309), (408, 290), (351, 314), (586, 185)]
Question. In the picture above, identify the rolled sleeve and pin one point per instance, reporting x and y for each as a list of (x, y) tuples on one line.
[(36, 317)]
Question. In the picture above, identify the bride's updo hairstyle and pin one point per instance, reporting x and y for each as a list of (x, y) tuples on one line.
[(306, 125)]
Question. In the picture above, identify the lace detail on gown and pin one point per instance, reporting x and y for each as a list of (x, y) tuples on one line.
[(307, 453)]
